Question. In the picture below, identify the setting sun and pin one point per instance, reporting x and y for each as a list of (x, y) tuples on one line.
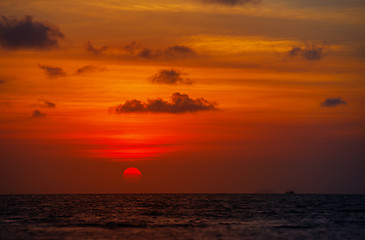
[(132, 175)]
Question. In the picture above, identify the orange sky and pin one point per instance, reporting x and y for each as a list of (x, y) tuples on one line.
[(200, 95)]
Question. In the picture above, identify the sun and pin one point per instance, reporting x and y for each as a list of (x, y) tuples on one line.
[(132, 175)]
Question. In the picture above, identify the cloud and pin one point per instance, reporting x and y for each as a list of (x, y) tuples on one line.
[(95, 50), (48, 104), (179, 51), (180, 103), (136, 49), (229, 2), (26, 33), (310, 53), (5, 79), (333, 102), (173, 52), (52, 72), (38, 114), (147, 53), (89, 68), (44, 104), (170, 76), (133, 47), (295, 51)]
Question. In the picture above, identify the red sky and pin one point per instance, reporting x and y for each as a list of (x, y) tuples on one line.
[(201, 96)]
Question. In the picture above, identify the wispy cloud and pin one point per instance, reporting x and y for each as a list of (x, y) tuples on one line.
[(136, 49), (172, 52), (44, 104), (52, 72), (180, 103), (170, 76), (26, 33), (95, 50), (179, 51), (5, 79), (333, 102), (90, 68), (47, 104)]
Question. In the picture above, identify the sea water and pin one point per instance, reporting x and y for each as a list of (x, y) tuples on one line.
[(182, 216)]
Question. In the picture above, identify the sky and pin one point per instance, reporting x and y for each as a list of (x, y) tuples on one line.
[(202, 96)]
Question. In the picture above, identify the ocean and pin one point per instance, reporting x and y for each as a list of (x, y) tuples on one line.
[(182, 216)]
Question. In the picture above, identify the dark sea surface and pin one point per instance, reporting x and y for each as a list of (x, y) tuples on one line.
[(182, 216)]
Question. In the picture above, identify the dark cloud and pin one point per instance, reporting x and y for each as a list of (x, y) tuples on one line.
[(180, 103), (147, 53), (52, 72), (333, 102), (173, 52), (133, 47), (95, 50), (170, 76), (44, 104), (136, 49), (179, 51), (26, 33), (4, 79), (310, 53), (89, 68), (38, 114), (295, 51), (229, 2), (48, 104)]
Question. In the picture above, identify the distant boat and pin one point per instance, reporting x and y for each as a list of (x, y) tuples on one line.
[(290, 192)]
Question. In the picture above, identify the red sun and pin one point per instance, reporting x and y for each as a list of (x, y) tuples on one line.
[(132, 175)]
